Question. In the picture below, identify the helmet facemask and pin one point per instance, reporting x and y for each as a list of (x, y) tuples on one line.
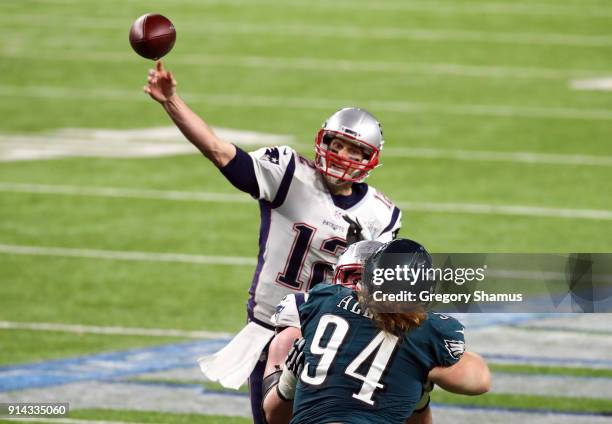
[(349, 268), (349, 275), (342, 168)]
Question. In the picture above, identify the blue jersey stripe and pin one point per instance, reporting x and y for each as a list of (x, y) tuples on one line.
[(285, 183), (394, 217)]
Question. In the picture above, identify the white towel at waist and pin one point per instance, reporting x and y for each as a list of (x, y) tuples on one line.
[(232, 365)]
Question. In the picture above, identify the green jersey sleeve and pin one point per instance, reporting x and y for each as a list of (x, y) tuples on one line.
[(448, 340)]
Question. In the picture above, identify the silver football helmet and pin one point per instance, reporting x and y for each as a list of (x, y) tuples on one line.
[(353, 260), (356, 126)]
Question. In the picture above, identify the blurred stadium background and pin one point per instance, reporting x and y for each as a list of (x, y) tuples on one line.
[(124, 255)]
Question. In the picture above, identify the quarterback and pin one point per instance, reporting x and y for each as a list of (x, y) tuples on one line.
[(308, 209)]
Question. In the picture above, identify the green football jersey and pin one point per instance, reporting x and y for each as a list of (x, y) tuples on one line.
[(355, 373)]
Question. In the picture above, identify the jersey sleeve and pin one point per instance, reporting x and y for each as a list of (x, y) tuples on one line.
[(288, 311), (390, 231), (448, 340), (241, 173), (274, 170), (388, 217)]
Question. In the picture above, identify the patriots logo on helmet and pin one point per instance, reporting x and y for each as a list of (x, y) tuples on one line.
[(456, 348)]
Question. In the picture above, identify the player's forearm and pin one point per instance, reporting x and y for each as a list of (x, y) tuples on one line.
[(277, 410), (198, 132), (469, 376)]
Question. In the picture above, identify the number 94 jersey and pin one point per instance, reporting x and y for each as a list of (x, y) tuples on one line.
[(355, 373), (302, 231)]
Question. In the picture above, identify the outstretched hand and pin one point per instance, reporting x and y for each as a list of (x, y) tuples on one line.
[(161, 84)]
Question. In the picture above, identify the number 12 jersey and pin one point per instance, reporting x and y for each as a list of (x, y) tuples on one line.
[(302, 231)]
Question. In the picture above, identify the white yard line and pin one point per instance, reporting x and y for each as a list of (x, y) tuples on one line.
[(299, 29), (324, 65), (138, 142), (594, 84), (488, 209), (129, 193), (469, 208), (126, 256), (413, 34), (435, 7), (446, 8), (509, 111), (122, 331), (168, 141), (483, 156), (162, 142)]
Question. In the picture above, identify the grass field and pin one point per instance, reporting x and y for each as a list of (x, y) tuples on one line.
[(488, 149)]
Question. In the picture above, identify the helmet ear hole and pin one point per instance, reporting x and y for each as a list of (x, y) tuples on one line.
[(327, 139), (367, 154)]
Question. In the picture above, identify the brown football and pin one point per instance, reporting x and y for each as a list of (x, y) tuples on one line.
[(152, 36)]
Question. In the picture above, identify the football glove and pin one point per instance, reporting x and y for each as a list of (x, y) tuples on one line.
[(355, 230), (294, 364)]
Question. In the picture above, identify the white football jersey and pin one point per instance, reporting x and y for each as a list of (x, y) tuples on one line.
[(288, 311), (302, 232)]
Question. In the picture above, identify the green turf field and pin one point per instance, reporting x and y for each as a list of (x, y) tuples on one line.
[(485, 139)]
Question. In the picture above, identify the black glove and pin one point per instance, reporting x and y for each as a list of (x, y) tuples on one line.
[(295, 357), (353, 235), (294, 364)]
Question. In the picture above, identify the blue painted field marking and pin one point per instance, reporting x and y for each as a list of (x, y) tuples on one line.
[(485, 320), (106, 366)]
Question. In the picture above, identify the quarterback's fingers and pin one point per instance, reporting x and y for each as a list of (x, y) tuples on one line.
[(354, 223), (159, 66), (151, 72), (348, 219)]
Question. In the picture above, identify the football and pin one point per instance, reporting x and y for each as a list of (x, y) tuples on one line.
[(152, 36)]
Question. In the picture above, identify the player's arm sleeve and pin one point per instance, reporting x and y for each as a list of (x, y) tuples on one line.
[(240, 171), (288, 311), (448, 340), (390, 231), (274, 168)]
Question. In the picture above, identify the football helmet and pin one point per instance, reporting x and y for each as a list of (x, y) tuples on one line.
[(403, 252), (358, 127), (349, 267), (397, 254)]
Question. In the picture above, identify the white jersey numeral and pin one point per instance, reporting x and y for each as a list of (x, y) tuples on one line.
[(328, 352), (384, 344)]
